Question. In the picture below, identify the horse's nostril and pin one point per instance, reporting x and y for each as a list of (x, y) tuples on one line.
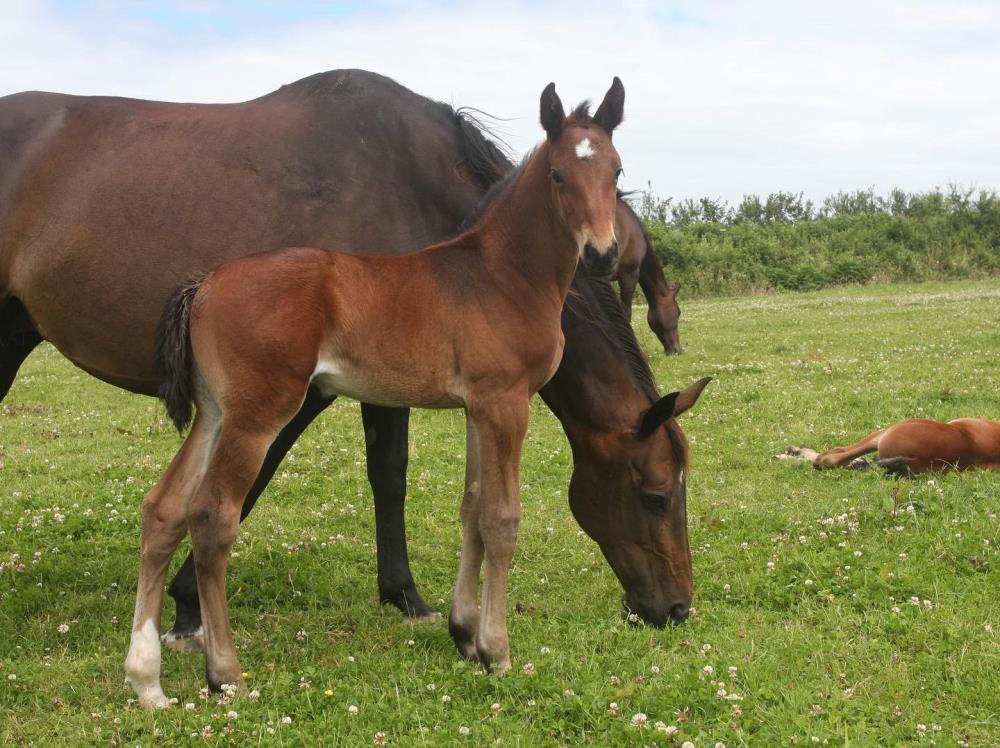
[(679, 612)]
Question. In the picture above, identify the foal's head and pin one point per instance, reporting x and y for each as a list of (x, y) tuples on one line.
[(583, 169)]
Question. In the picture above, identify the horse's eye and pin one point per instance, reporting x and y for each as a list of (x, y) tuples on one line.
[(557, 177), (654, 502), (618, 173)]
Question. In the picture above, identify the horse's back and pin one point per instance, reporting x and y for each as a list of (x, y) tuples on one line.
[(118, 200)]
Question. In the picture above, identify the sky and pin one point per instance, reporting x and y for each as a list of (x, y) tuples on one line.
[(722, 98)]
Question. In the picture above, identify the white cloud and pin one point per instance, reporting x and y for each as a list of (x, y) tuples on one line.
[(722, 98)]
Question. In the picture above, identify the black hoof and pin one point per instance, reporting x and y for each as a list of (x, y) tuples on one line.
[(408, 601)]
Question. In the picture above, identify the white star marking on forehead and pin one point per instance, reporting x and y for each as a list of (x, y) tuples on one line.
[(584, 150)]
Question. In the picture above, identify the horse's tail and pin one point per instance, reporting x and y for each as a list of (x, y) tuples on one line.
[(899, 466), (173, 353)]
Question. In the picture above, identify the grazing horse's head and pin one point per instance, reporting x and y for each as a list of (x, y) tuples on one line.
[(664, 319), (584, 168), (643, 531)]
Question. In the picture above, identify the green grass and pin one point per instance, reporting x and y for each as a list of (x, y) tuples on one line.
[(803, 579)]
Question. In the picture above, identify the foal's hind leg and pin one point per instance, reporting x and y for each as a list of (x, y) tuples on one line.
[(163, 514), (213, 519), (838, 456), (186, 634)]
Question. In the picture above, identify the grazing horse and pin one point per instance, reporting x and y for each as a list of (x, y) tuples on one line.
[(473, 322), (114, 201), (639, 265), (916, 446)]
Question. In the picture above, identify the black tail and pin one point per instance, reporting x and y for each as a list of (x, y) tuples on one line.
[(898, 466), (173, 353)]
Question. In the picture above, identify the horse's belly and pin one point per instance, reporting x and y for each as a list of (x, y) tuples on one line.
[(385, 385)]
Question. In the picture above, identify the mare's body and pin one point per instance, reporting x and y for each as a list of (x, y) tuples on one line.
[(917, 446), (640, 266)]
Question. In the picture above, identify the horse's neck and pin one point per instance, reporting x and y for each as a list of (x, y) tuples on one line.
[(524, 235), (651, 277)]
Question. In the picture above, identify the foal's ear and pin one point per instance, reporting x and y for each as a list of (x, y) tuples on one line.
[(670, 406), (611, 112), (552, 114)]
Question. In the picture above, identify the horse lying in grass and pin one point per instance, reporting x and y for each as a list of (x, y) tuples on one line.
[(639, 265), (915, 446), (472, 323)]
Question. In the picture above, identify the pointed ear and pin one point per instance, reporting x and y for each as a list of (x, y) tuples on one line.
[(670, 406), (611, 112), (552, 114)]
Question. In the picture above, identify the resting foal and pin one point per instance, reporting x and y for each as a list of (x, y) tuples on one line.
[(471, 323), (916, 446)]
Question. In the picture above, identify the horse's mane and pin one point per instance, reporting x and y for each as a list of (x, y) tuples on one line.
[(599, 295)]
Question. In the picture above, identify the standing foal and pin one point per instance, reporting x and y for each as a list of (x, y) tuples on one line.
[(471, 323)]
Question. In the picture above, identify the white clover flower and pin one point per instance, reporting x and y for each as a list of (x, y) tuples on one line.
[(189, 706), (495, 707), (639, 719), (231, 714), (445, 699), (655, 670), (528, 669), (286, 720), (352, 710), (380, 738), (708, 670), (613, 708), (63, 628), (463, 730)]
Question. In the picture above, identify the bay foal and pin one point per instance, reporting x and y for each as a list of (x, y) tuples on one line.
[(471, 323), (916, 446)]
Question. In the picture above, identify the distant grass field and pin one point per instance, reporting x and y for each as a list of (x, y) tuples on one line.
[(832, 608)]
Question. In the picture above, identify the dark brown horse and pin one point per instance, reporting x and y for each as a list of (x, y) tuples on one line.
[(640, 266), (915, 446), (106, 203), (471, 323)]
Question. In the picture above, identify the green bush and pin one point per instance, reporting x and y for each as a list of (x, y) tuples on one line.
[(785, 242)]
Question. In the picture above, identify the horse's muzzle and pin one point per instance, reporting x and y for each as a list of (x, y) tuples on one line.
[(675, 613), (600, 264)]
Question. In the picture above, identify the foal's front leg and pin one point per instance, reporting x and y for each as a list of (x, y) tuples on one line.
[(500, 427), (464, 617)]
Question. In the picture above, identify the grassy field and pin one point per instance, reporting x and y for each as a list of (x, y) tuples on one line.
[(831, 608)]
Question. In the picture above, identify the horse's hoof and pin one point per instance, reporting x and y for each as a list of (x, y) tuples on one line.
[(156, 701), (792, 450), (465, 640), (494, 665), (192, 642)]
